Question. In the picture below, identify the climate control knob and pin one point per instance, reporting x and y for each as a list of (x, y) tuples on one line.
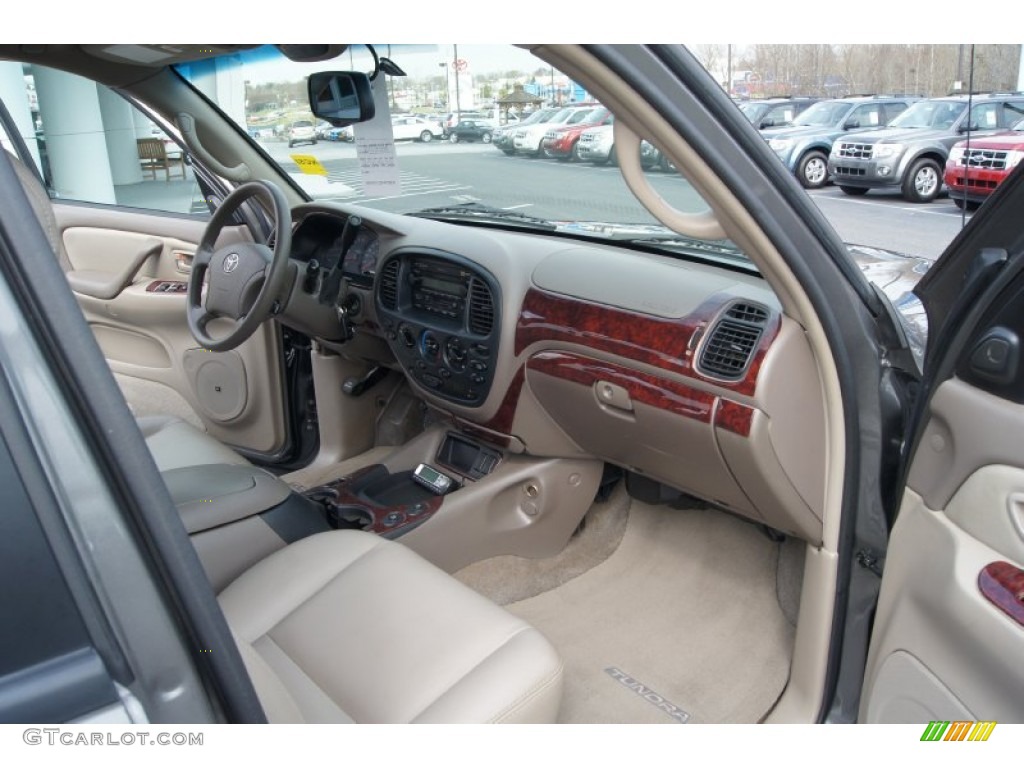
[(430, 346), (455, 354)]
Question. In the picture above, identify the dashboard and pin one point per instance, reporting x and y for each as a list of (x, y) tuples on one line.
[(682, 372), (441, 314)]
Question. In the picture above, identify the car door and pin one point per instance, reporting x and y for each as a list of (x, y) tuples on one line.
[(127, 228), (948, 633), (402, 129)]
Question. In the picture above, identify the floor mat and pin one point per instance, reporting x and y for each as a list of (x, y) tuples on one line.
[(508, 578), (680, 624)]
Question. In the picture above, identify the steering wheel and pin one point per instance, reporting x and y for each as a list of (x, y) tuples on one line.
[(245, 278)]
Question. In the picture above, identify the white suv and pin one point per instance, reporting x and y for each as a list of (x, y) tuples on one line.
[(415, 128), (301, 132), (528, 139)]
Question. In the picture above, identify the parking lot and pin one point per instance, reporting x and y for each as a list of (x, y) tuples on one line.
[(440, 173)]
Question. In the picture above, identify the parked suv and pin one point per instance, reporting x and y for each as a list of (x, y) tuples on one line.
[(414, 128), (912, 151), (301, 132), (975, 169), (501, 137), (561, 143), (526, 139), (452, 119), (804, 147), (774, 112), (597, 145)]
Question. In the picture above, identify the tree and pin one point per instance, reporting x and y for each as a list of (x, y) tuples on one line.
[(710, 57)]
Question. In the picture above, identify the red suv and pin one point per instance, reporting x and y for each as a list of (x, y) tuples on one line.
[(973, 174), (561, 142)]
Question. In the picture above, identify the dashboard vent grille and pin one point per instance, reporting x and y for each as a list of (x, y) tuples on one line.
[(732, 342), (481, 308), (748, 313), (388, 293)]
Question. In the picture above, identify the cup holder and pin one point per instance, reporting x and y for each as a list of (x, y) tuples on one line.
[(350, 516)]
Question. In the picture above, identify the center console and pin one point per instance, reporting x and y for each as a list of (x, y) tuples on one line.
[(441, 317), (236, 515), (392, 502)]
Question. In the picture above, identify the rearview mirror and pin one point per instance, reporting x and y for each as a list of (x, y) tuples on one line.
[(341, 98)]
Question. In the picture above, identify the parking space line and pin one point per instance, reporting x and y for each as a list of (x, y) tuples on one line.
[(411, 194), (914, 209)]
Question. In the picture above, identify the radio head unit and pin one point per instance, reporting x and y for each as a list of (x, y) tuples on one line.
[(441, 316), (439, 288)]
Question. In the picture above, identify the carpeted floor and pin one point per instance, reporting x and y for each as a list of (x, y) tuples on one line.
[(508, 578), (681, 623)]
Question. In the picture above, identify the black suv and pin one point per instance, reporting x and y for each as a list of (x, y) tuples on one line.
[(911, 152), (775, 112)]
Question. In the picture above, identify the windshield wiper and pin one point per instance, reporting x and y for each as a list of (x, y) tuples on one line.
[(485, 213), (657, 237), (691, 245)]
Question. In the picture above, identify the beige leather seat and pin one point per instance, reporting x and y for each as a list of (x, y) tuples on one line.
[(173, 442), (347, 627)]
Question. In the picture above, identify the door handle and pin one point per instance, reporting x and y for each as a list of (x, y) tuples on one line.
[(613, 396), (183, 261)]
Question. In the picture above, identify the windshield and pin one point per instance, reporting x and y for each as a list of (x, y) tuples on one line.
[(486, 175), (537, 117), (560, 116), (824, 114), (593, 116), (930, 114), (753, 111)]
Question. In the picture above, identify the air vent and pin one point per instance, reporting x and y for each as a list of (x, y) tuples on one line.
[(481, 308), (388, 292), (748, 313), (729, 348)]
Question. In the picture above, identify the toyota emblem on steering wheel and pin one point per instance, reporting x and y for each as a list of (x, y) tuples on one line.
[(231, 262)]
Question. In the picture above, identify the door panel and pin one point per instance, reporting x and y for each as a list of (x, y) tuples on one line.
[(118, 258), (942, 650)]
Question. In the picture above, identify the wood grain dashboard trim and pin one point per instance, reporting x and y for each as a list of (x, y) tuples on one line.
[(1002, 584), (406, 516), (734, 417), (661, 342)]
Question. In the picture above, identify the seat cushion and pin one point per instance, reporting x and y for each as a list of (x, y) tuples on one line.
[(175, 443), (346, 626)]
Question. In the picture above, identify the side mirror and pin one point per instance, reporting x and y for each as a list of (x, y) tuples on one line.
[(768, 122), (851, 124), (965, 127), (341, 98)]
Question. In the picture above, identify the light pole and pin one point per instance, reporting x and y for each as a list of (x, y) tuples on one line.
[(455, 63), (447, 96)]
